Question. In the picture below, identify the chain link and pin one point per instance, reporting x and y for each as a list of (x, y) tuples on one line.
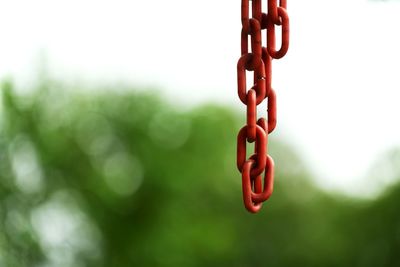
[(259, 61)]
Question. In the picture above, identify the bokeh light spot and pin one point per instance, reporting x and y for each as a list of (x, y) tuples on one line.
[(64, 230), (169, 130), (28, 173), (123, 173)]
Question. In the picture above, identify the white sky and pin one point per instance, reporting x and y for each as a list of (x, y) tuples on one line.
[(338, 88)]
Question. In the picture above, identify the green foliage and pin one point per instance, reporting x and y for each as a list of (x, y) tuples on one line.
[(126, 179)]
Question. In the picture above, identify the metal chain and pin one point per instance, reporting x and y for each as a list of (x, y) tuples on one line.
[(259, 61)]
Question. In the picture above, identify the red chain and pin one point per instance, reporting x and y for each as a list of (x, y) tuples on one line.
[(259, 61)]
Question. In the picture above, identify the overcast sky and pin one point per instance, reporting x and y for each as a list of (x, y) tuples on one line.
[(338, 88)]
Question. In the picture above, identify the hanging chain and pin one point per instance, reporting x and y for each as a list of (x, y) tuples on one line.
[(259, 61)]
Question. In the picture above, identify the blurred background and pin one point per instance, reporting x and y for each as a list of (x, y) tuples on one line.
[(118, 124)]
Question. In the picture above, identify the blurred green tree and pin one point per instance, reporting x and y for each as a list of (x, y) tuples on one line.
[(124, 178)]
